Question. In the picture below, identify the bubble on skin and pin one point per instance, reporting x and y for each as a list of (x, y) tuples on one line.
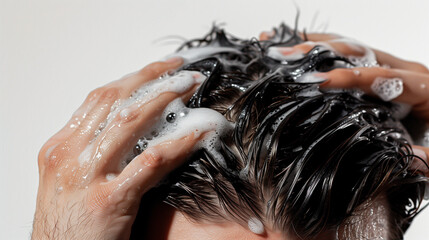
[(86, 155), (423, 86), (387, 88), (256, 226), (356, 72), (110, 176), (60, 189), (125, 113)]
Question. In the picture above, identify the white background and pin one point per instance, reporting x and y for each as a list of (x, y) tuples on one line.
[(52, 53)]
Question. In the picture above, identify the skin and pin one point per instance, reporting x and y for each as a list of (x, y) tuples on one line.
[(76, 201), (166, 223)]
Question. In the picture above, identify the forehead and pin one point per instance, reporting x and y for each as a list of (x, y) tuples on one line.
[(369, 221)]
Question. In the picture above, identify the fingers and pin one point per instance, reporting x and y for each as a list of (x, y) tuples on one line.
[(97, 105), (123, 133), (90, 123), (145, 171), (152, 71), (348, 47), (384, 59), (134, 120), (401, 85), (395, 62)]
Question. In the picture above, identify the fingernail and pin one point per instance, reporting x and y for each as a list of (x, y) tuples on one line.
[(174, 60)]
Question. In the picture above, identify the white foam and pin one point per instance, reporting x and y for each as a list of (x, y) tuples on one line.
[(256, 226), (189, 121), (185, 121), (178, 83), (277, 54), (110, 176), (199, 53), (368, 59), (387, 88), (310, 77)]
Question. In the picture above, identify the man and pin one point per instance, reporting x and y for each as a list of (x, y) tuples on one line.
[(298, 162)]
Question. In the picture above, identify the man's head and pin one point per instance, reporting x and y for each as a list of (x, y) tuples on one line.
[(300, 162)]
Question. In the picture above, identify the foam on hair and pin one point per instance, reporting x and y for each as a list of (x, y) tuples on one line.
[(299, 159)]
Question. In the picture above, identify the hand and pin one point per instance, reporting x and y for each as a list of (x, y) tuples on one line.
[(83, 194), (414, 77)]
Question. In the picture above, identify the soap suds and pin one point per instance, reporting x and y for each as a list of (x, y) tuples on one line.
[(188, 121), (310, 77), (179, 83), (195, 54), (279, 54), (356, 72), (387, 88), (256, 226), (110, 176)]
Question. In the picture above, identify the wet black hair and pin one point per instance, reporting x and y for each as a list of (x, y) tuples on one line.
[(300, 159)]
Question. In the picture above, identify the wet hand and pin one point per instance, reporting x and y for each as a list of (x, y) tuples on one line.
[(85, 190)]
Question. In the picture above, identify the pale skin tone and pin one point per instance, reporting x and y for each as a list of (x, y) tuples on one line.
[(76, 201)]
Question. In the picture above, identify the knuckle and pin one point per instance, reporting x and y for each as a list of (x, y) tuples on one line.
[(108, 95), (50, 156), (152, 159), (94, 94), (127, 116)]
